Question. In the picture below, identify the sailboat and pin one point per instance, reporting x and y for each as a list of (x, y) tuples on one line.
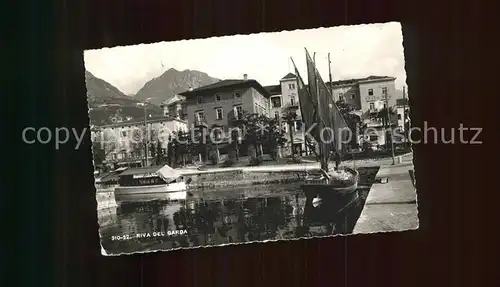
[(329, 129)]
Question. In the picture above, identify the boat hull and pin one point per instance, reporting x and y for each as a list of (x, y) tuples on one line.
[(335, 187), (331, 198), (172, 191)]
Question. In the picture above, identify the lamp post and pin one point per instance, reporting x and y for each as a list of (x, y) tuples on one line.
[(390, 126), (144, 104)]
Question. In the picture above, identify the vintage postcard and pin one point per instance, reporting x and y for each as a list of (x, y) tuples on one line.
[(251, 138)]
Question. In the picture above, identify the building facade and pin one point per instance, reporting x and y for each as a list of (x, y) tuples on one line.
[(218, 104), (175, 108), (285, 99), (367, 95), (124, 143)]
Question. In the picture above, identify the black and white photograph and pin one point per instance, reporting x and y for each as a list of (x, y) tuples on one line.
[(251, 138)]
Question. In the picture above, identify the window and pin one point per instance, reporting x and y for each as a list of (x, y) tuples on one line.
[(217, 134), (352, 97), (341, 98), (399, 117), (372, 106), (200, 116), (384, 91), (291, 86), (370, 92), (238, 112), (292, 100), (276, 115), (124, 133), (217, 98), (276, 102), (237, 95), (219, 113), (298, 125), (373, 137), (200, 99)]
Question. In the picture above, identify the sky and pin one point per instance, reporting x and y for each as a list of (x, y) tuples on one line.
[(355, 52)]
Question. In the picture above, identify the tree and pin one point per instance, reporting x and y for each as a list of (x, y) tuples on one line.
[(407, 126), (157, 152), (353, 121), (182, 145), (137, 143), (290, 117), (274, 136), (170, 151), (254, 126), (386, 115), (98, 154), (196, 145), (216, 134)]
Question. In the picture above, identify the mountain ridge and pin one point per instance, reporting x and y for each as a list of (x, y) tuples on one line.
[(107, 104), (172, 82)]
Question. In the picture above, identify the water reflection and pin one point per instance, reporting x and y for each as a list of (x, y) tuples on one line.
[(208, 219)]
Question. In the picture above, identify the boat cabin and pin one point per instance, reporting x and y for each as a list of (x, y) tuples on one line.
[(110, 178), (147, 176)]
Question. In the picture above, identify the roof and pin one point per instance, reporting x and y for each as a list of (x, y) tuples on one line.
[(140, 170), (111, 176), (136, 122), (174, 99), (227, 84), (360, 80), (276, 89), (289, 76), (273, 90), (165, 172)]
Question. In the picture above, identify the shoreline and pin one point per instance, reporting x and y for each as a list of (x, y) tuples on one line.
[(213, 178), (268, 175)]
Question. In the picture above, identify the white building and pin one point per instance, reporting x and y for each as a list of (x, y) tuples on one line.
[(123, 143)]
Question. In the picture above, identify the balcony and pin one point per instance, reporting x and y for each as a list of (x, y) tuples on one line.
[(201, 123)]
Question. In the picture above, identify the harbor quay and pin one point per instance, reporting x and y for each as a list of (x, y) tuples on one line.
[(391, 205)]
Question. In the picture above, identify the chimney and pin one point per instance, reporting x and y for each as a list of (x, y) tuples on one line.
[(245, 77)]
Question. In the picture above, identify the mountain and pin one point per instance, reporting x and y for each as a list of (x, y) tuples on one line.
[(172, 82), (107, 104), (101, 92)]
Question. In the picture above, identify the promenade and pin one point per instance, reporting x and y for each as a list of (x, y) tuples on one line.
[(390, 206), (305, 166)]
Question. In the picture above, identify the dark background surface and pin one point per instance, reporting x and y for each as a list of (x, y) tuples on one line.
[(450, 80)]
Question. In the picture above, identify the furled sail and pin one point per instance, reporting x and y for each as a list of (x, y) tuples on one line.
[(308, 108), (334, 129)]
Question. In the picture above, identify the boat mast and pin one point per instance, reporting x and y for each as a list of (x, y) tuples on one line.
[(337, 155), (330, 74), (323, 150)]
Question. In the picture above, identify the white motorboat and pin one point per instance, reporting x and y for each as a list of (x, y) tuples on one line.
[(157, 182)]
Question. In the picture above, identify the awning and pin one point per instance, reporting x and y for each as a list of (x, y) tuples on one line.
[(168, 174)]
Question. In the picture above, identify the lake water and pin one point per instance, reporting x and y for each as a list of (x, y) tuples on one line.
[(214, 217)]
